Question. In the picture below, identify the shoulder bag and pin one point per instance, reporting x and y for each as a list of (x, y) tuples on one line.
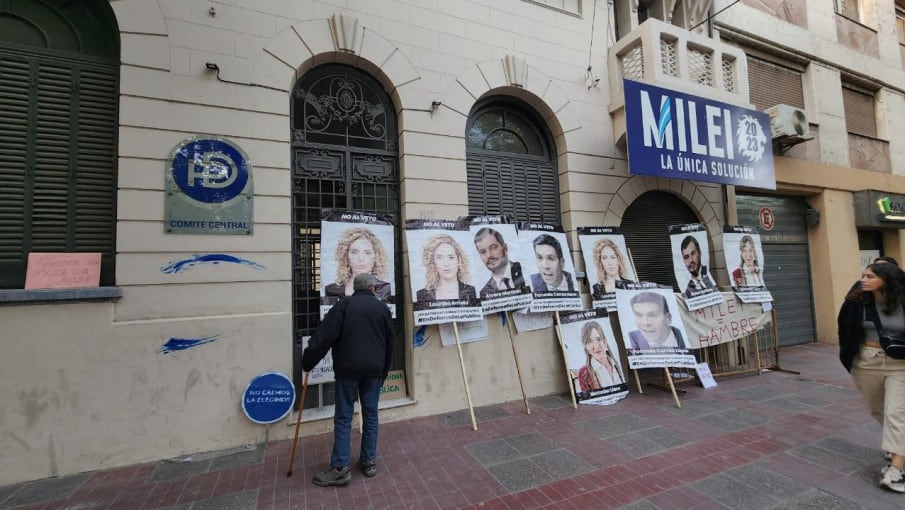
[(893, 344)]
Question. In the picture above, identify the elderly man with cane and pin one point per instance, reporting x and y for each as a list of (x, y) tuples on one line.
[(359, 329)]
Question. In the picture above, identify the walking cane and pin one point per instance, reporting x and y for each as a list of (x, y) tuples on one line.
[(298, 424)]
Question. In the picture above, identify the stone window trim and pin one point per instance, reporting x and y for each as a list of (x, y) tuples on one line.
[(14, 297), (551, 4)]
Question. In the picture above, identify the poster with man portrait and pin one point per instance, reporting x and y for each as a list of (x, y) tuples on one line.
[(691, 263), (441, 266), (551, 275), (499, 273), (652, 330), (745, 262), (592, 357), (606, 261), (354, 242)]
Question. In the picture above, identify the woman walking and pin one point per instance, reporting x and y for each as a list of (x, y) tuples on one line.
[(880, 379)]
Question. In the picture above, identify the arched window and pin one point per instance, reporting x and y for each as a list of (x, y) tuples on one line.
[(344, 156), (645, 225), (59, 87), (511, 169)]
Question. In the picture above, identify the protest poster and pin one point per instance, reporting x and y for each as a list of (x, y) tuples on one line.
[(441, 271), (745, 260), (525, 320), (471, 331), (354, 242), (691, 263), (651, 324), (724, 322), (323, 371), (592, 357), (500, 264), (552, 279), (606, 261)]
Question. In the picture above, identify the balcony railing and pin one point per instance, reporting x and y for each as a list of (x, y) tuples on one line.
[(671, 57)]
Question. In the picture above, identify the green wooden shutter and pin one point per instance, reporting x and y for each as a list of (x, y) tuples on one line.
[(14, 105), (57, 161)]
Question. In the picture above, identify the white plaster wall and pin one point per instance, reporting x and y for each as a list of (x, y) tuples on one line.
[(86, 385)]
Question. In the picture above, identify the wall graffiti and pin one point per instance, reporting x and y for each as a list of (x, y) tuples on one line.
[(181, 344), (212, 258)]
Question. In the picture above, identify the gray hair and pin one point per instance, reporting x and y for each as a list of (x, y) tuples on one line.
[(363, 281)]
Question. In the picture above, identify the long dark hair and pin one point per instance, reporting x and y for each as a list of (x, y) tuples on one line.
[(893, 287)]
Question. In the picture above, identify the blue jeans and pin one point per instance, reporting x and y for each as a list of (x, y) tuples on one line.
[(367, 390)]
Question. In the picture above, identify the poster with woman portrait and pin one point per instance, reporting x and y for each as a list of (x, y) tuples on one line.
[(551, 275), (441, 263), (354, 242), (592, 357), (745, 262), (691, 262), (652, 330), (606, 261), (499, 273)]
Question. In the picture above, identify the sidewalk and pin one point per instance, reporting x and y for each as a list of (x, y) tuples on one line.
[(776, 440)]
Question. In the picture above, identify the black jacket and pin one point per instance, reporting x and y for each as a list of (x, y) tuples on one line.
[(850, 324), (359, 329)]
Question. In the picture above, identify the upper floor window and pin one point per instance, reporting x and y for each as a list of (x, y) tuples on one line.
[(688, 14), (770, 84), (900, 20), (567, 6), (860, 112), (849, 8)]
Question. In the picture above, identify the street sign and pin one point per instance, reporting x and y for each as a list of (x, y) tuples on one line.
[(268, 397)]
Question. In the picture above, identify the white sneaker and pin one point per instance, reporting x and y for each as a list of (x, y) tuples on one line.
[(893, 479)]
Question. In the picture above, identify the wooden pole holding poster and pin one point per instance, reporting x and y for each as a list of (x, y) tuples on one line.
[(565, 362), (672, 387), (474, 423), (776, 344), (638, 380), (518, 369)]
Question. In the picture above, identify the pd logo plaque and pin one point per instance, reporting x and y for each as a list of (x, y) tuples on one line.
[(209, 188)]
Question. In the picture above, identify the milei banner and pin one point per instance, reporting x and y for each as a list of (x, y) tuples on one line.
[(681, 136)]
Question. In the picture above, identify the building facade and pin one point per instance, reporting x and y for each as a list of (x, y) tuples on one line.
[(417, 109)]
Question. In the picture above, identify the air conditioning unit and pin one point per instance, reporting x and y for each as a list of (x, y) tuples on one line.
[(789, 125)]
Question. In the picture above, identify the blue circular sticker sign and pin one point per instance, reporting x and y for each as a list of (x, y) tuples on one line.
[(268, 397), (209, 170)]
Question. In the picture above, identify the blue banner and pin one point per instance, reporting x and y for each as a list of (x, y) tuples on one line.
[(680, 136)]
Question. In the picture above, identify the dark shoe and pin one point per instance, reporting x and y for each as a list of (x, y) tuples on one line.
[(368, 467), (333, 478)]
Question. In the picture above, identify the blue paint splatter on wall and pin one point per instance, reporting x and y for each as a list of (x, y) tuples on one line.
[(212, 258), (419, 337), (181, 344)]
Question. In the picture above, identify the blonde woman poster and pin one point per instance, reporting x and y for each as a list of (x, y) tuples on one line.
[(606, 261), (551, 273), (354, 242), (593, 358), (745, 261), (442, 268)]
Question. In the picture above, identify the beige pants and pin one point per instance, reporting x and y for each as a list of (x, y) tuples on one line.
[(881, 380)]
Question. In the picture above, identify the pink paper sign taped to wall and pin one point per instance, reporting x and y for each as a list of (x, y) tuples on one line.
[(63, 270)]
